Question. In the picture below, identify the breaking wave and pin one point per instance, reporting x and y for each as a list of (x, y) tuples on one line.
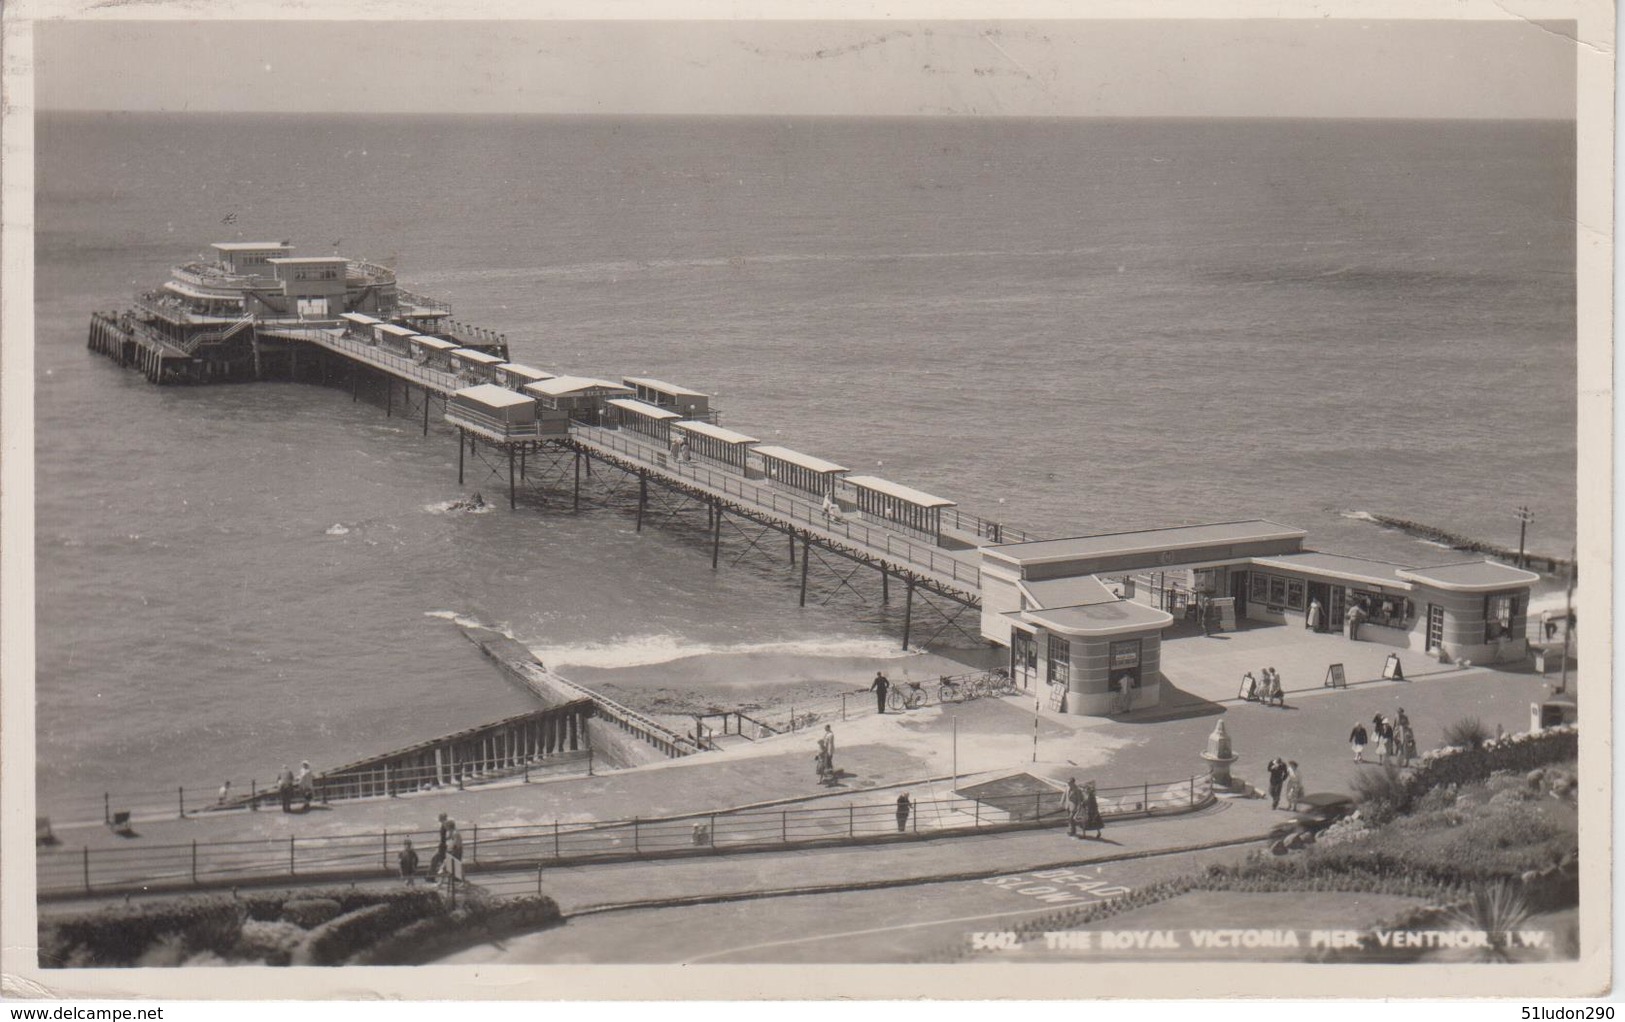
[(470, 622), (644, 650)]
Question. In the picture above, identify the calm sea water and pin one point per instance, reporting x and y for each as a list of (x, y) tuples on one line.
[(1073, 326)]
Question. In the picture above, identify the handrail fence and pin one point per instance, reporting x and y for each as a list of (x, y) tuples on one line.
[(66, 871)]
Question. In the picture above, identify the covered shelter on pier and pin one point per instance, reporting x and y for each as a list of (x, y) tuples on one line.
[(515, 375), (477, 363), (393, 336), (492, 411), (642, 417), (361, 326), (583, 397), (800, 471), (914, 510), (432, 351), (691, 403), (716, 443)]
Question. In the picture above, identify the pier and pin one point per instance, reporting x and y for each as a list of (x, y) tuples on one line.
[(549, 438)]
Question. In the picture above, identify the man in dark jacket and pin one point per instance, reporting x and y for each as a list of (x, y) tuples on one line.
[(880, 686), (1277, 769)]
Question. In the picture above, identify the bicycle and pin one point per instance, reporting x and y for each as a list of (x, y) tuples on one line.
[(951, 691), (911, 699), (1000, 683)]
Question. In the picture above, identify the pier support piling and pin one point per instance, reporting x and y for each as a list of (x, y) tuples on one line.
[(805, 543), (908, 613), (576, 504), (885, 586), (389, 397), (513, 501), (716, 539), (462, 445), (425, 411), (792, 538), (643, 499)]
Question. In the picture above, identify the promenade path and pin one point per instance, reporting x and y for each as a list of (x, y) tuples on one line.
[(916, 750)]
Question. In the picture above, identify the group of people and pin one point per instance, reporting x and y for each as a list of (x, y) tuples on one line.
[(832, 510), (1286, 783), (680, 451), (287, 783), (1082, 810), (448, 856), (1266, 689), (1392, 735)]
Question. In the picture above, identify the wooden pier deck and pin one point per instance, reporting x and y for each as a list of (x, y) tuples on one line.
[(951, 573)]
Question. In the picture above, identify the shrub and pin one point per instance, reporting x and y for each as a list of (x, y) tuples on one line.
[(310, 912), (333, 942), (478, 921), (1467, 733), (1382, 793)]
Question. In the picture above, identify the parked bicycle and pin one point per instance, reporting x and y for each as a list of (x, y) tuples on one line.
[(951, 691), (908, 696)]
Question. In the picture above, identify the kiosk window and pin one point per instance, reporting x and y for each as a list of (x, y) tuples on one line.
[(1277, 591), (1060, 660), (1023, 651), (1294, 594), (1499, 610), (1384, 609), (1260, 588)]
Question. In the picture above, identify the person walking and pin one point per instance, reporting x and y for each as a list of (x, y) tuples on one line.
[(408, 861), (454, 851), (1385, 740), (880, 686), (1277, 769), (826, 756), (1072, 801), (1404, 744), (1293, 793), (1311, 620), (284, 788), (1401, 720), (307, 783), (225, 793), (440, 851), (1276, 696), (1358, 740), (903, 807), (1091, 813)]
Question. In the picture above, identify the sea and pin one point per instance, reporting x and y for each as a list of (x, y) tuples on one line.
[(1071, 326)]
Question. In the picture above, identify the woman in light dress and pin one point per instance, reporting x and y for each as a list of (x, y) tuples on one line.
[(1293, 793)]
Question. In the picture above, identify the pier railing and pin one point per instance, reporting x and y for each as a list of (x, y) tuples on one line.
[(65, 871), (790, 508), (442, 382)]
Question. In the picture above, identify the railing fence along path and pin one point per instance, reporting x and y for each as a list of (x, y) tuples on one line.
[(65, 871), (802, 510)]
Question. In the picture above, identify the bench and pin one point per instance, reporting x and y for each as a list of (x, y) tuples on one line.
[(120, 824)]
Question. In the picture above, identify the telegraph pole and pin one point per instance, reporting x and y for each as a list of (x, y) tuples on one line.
[(1525, 516), (1568, 626)]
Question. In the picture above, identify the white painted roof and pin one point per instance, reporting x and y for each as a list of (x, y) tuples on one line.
[(662, 386), (397, 330), (477, 356), (806, 461), (328, 260), (433, 343), (559, 386), (361, 317), (919, 498), (493, 396), (1471, 576), (250, 246), (644, 408), (727, 436), (520, 369)]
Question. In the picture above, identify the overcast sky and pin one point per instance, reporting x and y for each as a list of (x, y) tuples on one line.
[(1302, 68)]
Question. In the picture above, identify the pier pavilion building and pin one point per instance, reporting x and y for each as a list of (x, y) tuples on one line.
[(689, 403), (1083, 616)]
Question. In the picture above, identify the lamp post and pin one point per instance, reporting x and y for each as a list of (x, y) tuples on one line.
[(1525, 516)]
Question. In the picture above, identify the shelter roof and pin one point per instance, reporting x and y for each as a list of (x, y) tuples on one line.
[(644, 408), (727, 436), (559, 386), (919, 498), (806, 461), (1471, 576), (492, 396), (1078, 591), (662, 386), (1351, 569), (477, 356), (1100, 618), (528, 372), (1147, 541)]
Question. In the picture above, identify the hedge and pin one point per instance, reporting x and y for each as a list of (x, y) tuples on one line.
[(478, 922)]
